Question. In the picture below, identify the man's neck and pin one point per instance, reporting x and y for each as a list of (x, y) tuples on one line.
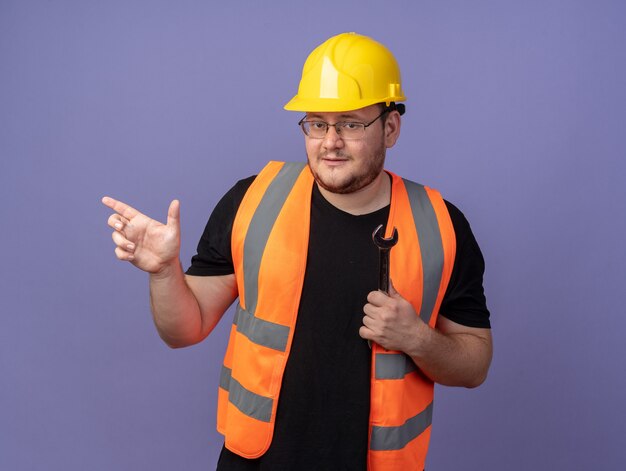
[(371, 198)]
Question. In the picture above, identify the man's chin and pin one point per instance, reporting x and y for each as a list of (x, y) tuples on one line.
[(340, 187), (334, 182), (329, 184), (338, 190)]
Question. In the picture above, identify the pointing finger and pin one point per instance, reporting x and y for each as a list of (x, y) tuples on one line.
[(121, 208)]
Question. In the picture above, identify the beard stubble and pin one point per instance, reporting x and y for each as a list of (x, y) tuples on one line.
[(355, 182)]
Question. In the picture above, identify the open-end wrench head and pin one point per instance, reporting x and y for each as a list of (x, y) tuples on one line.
[(381, 242)]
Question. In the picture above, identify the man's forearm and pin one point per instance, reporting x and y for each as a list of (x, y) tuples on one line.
[(175, 309), (452, 359)]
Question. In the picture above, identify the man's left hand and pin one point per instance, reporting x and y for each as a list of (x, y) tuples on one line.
[(391, 321)]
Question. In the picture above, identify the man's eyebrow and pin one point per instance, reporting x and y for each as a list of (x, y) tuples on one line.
[(341, 117)]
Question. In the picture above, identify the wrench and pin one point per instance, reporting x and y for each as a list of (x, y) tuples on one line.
[(384, 246)]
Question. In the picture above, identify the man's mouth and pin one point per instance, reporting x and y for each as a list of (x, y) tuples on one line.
[(334, 158)]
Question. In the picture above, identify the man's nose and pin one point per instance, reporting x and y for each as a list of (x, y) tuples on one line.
[(332, 138)]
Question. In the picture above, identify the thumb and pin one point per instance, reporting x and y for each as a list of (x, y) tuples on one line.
[(392, 290), (173, 214)]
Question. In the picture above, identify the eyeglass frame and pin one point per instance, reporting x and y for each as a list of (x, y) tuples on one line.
[(328, 125)]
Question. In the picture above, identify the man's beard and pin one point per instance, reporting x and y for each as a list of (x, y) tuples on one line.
[(354, 182)]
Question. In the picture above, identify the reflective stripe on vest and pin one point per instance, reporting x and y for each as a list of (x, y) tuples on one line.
[(429, 236), (396, 438), (261, 225), (261, 332), (393, 366), (249, 403)]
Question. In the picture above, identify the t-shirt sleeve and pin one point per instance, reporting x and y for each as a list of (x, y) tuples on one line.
[(464, 301), (213, 255)]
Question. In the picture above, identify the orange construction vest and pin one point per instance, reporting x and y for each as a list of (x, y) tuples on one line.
[(269, 246)]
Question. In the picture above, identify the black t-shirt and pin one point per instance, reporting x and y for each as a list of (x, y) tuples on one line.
[(323, 410)]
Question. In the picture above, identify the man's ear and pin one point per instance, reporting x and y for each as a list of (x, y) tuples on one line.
[(392, 128)]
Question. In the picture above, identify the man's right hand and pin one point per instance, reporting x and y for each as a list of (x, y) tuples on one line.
[(146, 243)]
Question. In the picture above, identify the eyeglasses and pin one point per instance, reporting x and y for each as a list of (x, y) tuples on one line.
[(345, 129)]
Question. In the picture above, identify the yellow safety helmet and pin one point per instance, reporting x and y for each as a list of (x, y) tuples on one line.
[(345, 73)]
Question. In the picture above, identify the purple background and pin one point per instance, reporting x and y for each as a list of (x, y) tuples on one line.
[(516, 112)]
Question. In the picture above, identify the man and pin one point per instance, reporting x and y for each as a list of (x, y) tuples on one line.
[(323, 370)]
